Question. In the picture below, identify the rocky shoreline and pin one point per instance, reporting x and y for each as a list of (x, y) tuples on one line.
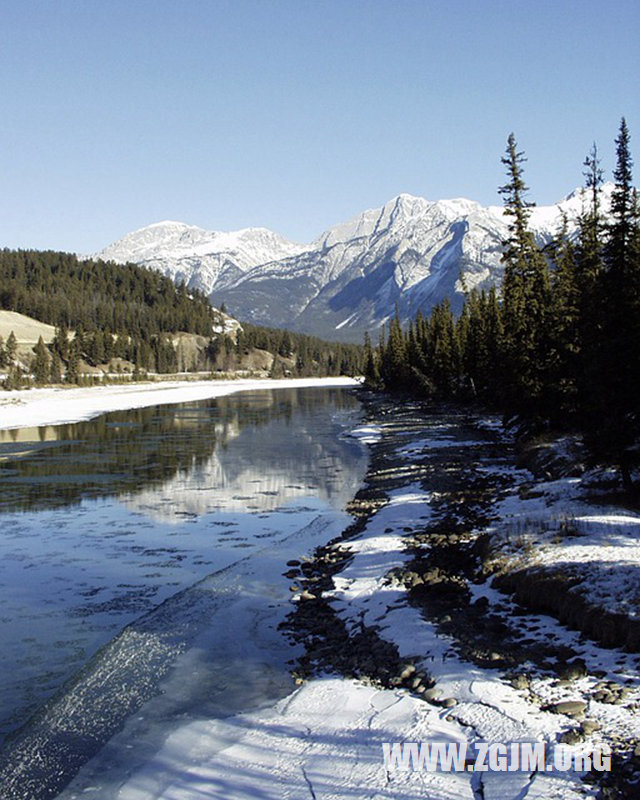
[(446, 575)]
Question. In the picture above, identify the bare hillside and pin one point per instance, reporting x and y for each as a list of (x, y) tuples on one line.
[(27, 330)]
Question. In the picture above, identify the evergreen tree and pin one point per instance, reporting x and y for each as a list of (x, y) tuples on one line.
[(444, 350), (418, 373), (589, 256), (393, 366), (525, 291), (41, 363), (616, 429), (14, 379), (562, 379), (11, 348), (472, 336), (60, 343), (416, 353), (120, 345), (494, 333), (371, 371), (480, 335), (95, 348), (109, 346), (285, 345)]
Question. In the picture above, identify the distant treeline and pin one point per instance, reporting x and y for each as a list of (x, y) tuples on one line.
[(559, 347), (312, 356), (131, 314)]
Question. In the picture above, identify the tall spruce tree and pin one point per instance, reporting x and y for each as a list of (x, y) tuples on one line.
[(60, 343), (371, 371), (494, 332), (525, 297), (615, 424), (55, 369), (562, 378), (589, 255), (444, 352), (73, 364), (393, 367), (472, 335)]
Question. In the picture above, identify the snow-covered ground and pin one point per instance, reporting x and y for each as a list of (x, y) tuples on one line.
[(557, 528), (36, 407), (487, 708), (324, 740)]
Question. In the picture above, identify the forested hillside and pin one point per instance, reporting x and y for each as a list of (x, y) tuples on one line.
[(560, 346), (131, 319), (95, 295)]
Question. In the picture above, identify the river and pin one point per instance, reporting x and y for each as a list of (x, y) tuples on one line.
[(141, 561)]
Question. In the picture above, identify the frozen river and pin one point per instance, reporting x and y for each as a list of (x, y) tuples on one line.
[(141, 557)]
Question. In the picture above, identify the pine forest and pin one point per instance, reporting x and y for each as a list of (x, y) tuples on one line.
[(127, 315), (558, 348)]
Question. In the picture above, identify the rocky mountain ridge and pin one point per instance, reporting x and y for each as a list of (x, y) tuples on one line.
[(411, 252)]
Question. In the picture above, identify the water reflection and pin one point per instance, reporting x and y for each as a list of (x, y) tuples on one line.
[(253, 450), (102, 521)]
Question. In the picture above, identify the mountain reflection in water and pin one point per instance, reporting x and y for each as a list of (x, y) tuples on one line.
[(250, 451), (103, 521)]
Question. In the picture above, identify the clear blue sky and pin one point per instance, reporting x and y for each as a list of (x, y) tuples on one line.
[(295, 114)]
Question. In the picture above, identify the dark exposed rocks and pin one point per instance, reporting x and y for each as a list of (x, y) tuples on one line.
[(589, 726), (573, 670), (520, 680), (571, 708), (611, 693), (572, 736), (330, 645), (621, 782)]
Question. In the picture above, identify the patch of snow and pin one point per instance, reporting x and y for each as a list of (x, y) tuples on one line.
[(601, 546), (345, 322), (297, 750), (36, 407)]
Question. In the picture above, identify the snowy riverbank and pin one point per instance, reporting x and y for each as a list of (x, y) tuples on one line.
[(59, 406), (491, 671)]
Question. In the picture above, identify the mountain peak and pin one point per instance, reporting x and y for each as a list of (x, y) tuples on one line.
[(408, 202), (579, 192), (168, 223), (409, 251), (177, 240), (373, 220)]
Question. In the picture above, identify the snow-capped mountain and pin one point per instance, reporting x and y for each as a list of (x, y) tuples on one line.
[(410, 252), (201, 259)]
